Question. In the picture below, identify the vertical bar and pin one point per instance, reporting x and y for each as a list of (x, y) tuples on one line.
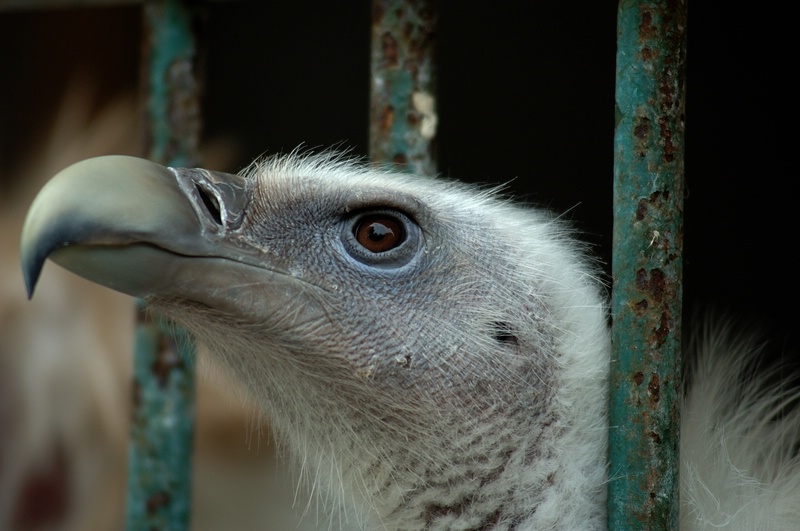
[(403, 85), (647, 265), (159, 467)]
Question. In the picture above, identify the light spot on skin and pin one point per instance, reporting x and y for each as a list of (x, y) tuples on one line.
[(364, 373)]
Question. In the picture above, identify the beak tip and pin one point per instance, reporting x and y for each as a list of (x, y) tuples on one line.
[(54, 218), (31, 269)]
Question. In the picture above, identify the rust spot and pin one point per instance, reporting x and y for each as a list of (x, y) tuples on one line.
[(667, 91), (638, 378), (642, 128), (654, 286), (646, 28), (167, 359), (641, 279), (641, 210), (654, 283), (641, 132), (666, 136), (156, 502), (387, 119), (655, 437), (654, 389), (665, 325), (389, 49)]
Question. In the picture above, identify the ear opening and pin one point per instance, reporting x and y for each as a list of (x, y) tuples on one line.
[(503, 333)]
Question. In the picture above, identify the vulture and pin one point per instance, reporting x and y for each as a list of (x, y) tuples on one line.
[(432, 355)]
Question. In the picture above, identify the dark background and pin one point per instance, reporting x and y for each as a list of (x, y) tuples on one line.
[(526, 94)]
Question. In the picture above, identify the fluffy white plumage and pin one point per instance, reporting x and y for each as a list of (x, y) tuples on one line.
[(458, 380), (740, 434)]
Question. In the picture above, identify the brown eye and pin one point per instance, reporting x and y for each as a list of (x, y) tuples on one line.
[(383, 239), (379, 233)]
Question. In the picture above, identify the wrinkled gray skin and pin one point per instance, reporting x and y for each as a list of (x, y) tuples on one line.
[(456, 381)]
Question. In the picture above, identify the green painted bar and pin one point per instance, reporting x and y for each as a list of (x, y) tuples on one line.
[(162, 428), (647, 265), (403, 115)]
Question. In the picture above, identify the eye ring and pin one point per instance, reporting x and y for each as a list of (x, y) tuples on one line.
[(383, 238), (379, 232)]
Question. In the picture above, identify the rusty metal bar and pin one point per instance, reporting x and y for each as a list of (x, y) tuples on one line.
[(162, 428), (403, 85), (647, 265)]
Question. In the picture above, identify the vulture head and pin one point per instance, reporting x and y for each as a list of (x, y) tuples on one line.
[(420, 347), (433, 356)]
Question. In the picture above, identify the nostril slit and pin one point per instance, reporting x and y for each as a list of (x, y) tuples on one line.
[(211, 203)]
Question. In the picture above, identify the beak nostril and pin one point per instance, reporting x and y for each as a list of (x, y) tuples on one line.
[(211, 203)]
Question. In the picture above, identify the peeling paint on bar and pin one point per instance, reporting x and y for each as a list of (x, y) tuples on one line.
[(647, 265), (162, 427), (403, 115)]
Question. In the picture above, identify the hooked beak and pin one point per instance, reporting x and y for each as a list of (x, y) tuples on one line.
[(147, 230)]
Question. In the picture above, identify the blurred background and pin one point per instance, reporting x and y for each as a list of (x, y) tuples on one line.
[(525, 96)]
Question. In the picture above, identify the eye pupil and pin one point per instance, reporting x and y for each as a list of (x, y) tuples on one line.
[(379, 233)]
